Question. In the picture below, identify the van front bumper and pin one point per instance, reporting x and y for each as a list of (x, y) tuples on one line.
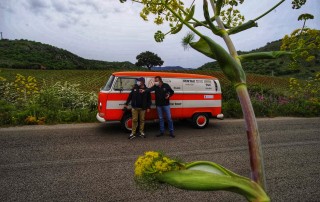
[(99, 118)]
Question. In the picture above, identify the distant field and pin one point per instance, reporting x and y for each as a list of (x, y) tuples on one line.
[(93, 80)]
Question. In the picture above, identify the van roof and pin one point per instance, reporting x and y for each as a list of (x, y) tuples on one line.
[(163, 74)]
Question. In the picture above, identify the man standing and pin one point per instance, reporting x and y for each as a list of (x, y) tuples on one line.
[(140, 102), (163, 92)]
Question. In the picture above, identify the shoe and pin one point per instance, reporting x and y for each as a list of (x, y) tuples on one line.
[(131, 136), (143, 135), (172, 135), (159, 135)]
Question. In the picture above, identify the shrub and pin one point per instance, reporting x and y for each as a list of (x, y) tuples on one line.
[(232, 108), (66, 96), (6, 112)]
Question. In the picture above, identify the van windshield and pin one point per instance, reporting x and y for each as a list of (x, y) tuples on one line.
[(109, 83), (124, 83)]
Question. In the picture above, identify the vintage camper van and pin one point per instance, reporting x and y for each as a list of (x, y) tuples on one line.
[(196, 97)]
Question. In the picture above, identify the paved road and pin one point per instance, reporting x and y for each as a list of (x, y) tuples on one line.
[(94, 162)]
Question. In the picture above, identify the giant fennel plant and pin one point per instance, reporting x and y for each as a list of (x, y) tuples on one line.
[(225, 20)]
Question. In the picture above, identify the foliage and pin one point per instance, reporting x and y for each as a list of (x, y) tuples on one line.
[(24, 54), (93, 80), (148, 59), (275, 67), (302, 100), (308, 90), (58, 103), (304, 44)]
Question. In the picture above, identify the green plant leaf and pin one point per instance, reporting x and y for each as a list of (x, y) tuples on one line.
[(230, 67), (243, 27), (176, 29), (264, 55), (190, 15), (209, 176), (203, 47)]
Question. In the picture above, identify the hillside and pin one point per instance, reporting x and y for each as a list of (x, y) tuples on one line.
[(277, 67), (24, 54)]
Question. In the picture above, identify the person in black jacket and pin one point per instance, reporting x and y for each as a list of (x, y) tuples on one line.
[(163, 92), (140, 102)]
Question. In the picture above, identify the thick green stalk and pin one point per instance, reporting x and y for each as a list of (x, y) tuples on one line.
[(255, 150), (225, 36)]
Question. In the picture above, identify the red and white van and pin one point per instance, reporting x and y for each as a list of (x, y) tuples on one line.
[(196, 97)]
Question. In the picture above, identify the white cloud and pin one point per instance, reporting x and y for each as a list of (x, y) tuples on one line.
[(109, 30)]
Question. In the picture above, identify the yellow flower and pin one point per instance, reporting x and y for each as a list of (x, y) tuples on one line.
[(152, 154), (154, 162)]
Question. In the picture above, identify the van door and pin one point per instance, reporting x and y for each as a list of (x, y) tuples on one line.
[(118, 96), (176, 99)]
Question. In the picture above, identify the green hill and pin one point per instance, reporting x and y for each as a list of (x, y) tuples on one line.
[(276, 67), (24, 54)]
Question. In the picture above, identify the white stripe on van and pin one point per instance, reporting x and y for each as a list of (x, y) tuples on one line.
[(173, 104)]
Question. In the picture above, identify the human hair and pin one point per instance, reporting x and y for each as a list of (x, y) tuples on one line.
[(158, 77)]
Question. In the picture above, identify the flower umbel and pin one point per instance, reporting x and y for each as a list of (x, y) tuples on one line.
[(154, 162)]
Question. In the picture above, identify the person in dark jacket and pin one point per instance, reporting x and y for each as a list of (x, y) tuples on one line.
[(163, 93), (140, 102)]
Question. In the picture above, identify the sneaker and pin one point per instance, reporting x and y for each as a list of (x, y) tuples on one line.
[(143, 135), (159, 135), (172, 135), (131, 136)]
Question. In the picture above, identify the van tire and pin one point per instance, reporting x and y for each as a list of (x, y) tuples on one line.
[(200, 120), (126, 122)]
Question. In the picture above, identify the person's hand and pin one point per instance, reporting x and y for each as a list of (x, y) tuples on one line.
[(167, 96), (148, 110), (141, 91)]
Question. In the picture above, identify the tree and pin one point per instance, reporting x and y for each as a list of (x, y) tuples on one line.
[(148, 59), (224, 21)]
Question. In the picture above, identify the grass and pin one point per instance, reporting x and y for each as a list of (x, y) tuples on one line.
[(93, 80)]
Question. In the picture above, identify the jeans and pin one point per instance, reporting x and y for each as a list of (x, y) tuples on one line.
[(138, 113), (166, 110)]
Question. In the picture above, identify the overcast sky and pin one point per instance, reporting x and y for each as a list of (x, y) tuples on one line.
[(111, 31)]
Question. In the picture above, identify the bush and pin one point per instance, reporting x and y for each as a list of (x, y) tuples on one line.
[(66, 96), (232, 109), (6, 112), (22, 103)]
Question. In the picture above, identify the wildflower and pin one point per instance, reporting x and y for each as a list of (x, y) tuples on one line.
[(154, 162), (2, 78), (158, 20)]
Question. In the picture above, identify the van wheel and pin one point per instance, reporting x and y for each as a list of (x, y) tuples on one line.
[(126, 123), (200, 120)]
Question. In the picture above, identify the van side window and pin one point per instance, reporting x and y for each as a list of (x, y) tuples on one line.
[(216, 85), (123, 83)]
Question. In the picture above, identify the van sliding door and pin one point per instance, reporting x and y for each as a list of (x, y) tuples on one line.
[(176, 101)]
